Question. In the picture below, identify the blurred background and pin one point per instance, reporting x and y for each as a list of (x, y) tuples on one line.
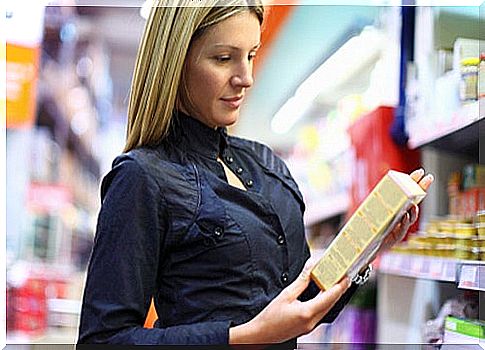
[(343, 92)]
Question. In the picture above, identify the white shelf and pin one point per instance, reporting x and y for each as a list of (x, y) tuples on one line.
[(465, 116), (325, 208), (417, 266), (468, 274)]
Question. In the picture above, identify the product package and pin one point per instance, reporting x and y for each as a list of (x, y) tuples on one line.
[(463, 331), (365, 231)]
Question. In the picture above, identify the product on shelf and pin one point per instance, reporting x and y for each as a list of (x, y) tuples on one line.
[(480, 229), (479, 222), (466, 61), (469, 79), (463, 331), (463, 307), (480, 218), (369, 225), (466, 191), (473, 176), (447, 237)]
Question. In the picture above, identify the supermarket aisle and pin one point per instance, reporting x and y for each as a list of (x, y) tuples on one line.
[(329, 115)]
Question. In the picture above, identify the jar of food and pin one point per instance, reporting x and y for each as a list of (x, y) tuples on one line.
[(469, 79), (465, 230), (481, 229), (480, 216)]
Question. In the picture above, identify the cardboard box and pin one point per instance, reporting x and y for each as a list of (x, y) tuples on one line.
[(364, 232), (463, 331)]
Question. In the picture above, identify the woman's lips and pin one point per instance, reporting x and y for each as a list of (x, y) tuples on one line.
[(233, 102)]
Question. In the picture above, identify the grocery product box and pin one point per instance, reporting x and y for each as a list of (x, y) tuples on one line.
[(473, 176), (463, 331), (364, 232)]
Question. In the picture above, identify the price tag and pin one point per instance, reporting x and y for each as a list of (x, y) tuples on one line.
[(481, 278), (449, 271), (435, 268), (425, 268), (397, 262), (468, 276), (416, 266)]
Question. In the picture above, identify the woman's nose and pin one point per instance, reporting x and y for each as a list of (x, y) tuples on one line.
[(244, 76)]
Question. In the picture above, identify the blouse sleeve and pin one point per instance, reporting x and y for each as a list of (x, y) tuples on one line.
[(124, 266)]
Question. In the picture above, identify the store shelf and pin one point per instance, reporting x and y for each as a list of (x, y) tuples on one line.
[(417, 266), (326, 208), (467, 274), (460, 135)]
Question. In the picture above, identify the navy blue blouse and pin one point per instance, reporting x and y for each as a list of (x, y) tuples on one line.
[(211, 255)]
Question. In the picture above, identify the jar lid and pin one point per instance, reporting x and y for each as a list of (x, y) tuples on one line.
[(470, 61)]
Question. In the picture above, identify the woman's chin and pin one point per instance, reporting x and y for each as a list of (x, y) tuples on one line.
[(228, 119)]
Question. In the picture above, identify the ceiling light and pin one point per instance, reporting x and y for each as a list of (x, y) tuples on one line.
[(336, 70)]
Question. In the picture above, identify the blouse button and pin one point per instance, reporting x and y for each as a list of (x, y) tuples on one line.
[(281, 239), (239, 170), (229, 159), (218, 231), (284, 277), (249, 183)]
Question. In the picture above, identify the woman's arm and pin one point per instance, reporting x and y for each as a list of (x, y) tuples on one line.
[(123, 270), (300, 307), (286, 317)]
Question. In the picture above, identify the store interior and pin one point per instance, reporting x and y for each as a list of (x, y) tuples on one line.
[(342, 93)]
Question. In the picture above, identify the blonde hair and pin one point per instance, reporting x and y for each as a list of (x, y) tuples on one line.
[(167, 36)]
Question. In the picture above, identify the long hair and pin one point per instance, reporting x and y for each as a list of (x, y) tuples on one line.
[(156, 85)]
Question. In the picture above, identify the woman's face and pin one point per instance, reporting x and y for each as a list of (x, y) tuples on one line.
[(219, 67)]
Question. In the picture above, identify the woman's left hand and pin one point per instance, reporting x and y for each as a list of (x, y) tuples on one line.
[(410, 217)]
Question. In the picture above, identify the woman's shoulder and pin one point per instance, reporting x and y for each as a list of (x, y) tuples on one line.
[(150, 160), (155, 165), (262, 153), (143, 164)]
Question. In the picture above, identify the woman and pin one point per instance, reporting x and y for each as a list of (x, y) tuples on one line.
[(207, 224)]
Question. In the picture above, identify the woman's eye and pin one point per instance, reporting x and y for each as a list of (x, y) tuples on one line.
[(222, 58)]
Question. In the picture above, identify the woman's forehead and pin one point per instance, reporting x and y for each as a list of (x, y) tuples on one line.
[(238, 31)]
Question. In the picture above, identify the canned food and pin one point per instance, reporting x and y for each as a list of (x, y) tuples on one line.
[(463, 243), (480, 216), (481, 229), (466, 254), (478, 242), (431, 227), (446, 226), (465, 230)]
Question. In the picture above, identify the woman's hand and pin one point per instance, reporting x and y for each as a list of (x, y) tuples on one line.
[(410, 217), (286, 317)]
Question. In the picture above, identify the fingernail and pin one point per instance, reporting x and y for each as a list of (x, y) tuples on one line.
[(430, 177), (421, 173)]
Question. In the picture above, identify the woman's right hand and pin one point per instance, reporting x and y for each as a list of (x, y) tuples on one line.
[(286, 317)]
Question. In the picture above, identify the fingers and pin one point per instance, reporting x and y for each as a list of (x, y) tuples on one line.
[(301, 283), (401, 228), (426, 181), (414, 213), (324, 301), (423, 180), (417, 175)]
